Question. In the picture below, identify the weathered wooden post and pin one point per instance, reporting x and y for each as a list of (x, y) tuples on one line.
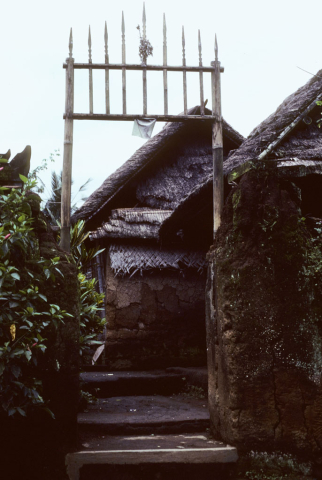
[(218, 201), (68, 150), (217, 143)]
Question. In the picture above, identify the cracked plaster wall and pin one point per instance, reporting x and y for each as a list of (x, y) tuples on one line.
[(264, 320), (155, 320)]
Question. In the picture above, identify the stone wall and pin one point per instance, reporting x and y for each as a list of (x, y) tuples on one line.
[(264, 320), (155, 320)]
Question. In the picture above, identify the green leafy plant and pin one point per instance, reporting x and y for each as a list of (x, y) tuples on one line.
[(91, 301), (91, 323), (25, 313)]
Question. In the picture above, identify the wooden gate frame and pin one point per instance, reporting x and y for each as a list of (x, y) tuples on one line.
[(216, 118)]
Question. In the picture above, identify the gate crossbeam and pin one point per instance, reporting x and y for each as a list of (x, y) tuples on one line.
[(129, 117), (136, 66)]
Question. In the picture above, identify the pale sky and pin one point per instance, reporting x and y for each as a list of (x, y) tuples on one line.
[(261, 44)]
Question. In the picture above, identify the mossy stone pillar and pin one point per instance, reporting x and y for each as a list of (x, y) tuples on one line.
[(264, 320)]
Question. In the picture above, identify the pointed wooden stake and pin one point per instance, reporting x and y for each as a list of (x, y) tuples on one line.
[(185, 108), (123, 69), (68, 150), (202, 105), (216, 48), (217, 143), (70, 45), (89, 45), (165, 62), (90, 71), (107, 72), (145, 96), (144, 22)]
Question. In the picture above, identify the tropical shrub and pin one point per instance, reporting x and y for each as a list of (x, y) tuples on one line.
[(91, 323), (91, 302), (25, 313)]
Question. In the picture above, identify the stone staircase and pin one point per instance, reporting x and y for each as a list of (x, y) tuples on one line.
[(146, 426)]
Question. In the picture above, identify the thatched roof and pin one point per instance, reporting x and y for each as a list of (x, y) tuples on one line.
[(272, 139), (132, 223), (290, 138), (151, 152), (128, 259), (194, 203)]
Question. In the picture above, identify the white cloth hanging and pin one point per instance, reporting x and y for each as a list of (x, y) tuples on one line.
[(143, 127)]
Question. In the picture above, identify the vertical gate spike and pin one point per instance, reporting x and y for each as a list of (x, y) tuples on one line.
[(70, 45), (107, 74), (216, 48), (123, 68), (199, 47), (183, 48), (123, 24), (89, 45), (106, 43), (123, 39), (165, 62), (164, 41), (184, 73), (144, 22)]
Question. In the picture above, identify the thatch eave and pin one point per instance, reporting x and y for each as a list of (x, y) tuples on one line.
[(127, 223), (267, 136)]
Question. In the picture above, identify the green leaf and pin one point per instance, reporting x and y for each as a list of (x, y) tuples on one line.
[(16, 276), (16, 370), (47, 273), (57, 269), (23, 178), (2, 367), (49, 412), (21, 411), (13, 304), (28, 354), (43, 297), (21, 218)]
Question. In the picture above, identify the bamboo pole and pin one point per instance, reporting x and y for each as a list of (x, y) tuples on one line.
[(68, 151), (202, 103), (145, 98), (90, 71), (217, 144), (165, 72), (123, 68), (136, 66), (185, 107), (131, 117), (107, 73)]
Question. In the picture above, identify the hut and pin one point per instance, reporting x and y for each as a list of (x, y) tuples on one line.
[(155, 290)]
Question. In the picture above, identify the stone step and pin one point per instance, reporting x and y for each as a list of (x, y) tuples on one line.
[(145, 415), (162, 457), (109, 384)]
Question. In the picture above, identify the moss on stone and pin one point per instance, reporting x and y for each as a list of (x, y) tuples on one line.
[(268, 264)]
